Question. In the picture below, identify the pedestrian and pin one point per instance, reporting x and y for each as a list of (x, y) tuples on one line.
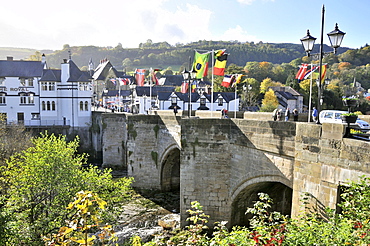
[(314, 114), (224, 114), (175, 110), (274, 114), (295, 114), (279, 114), (287, 114)]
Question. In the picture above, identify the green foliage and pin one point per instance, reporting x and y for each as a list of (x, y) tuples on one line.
[(41, 182), (86, 209), (350, 227)]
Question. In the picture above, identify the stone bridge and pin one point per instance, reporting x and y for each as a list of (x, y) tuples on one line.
[(225, 163)]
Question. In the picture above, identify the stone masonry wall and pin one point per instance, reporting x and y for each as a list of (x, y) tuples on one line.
[(221, 157), (325, 160), (114, 137), (149, 139)]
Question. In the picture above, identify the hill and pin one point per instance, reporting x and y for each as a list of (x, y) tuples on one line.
[(162, 55), (19, 53)]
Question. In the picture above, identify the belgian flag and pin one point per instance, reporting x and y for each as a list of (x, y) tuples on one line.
[(220, 65)]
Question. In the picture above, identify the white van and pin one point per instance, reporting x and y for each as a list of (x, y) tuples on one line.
[(333, 116)]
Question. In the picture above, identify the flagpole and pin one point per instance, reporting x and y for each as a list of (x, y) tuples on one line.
[(235, 101), (150, 87), (309, 103), (212, 61), (119, 94)]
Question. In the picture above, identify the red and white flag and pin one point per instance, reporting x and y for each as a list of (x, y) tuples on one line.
[(140, 76), (301, 72)]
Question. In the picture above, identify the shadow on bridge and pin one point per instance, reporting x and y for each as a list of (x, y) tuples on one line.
[(229, 161)]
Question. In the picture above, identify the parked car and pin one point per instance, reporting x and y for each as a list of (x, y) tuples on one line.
[(333, 116)]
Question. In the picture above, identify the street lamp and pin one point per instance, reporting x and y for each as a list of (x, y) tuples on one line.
[(189, 76), (335, 37)]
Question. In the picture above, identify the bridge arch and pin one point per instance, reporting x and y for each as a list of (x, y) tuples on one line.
[(277, 187), (170, 169)]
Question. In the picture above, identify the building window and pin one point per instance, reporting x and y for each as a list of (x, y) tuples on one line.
[(43, 105), (51, 86), (35, 116), (31, 99), (30, 82), (48, 86), (23, 98), (44, 86), (86, 106), (220, 102), (53, 106), (83, 86), (22, 81), (81, 105), (26, 98), (2, 98), (48, 105)]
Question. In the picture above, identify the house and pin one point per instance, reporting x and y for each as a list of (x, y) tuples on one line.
[(34, 95), (107, 77), (288, 98)]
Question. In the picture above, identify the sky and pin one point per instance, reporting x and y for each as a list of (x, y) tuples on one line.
[(45, 24)]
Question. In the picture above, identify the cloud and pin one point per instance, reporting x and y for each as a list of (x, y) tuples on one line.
[(237, 33), (249, 2)]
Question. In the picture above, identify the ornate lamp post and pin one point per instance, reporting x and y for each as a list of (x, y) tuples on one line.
[(189, 76), (335, 37)]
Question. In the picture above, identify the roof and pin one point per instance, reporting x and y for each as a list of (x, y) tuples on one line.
[(145, 90), (52, 75), (75, 74), (104, 68), (286, 95), (113, 93), (11, 68), (227, 96), (173, 80)]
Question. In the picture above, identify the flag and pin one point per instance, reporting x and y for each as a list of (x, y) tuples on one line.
[(219, 52), (122, 81), (154, 78), (302, 70), (239, 78), (228, 80), (140, 76), (323, 73), (220, 64), (309, 72), (193, 86), (113, 81), (200, 64), (184, 87)]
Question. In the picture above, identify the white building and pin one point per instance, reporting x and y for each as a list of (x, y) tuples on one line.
[(32, 94)]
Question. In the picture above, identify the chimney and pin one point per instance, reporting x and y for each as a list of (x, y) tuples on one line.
[(64, 71), (9, 58)]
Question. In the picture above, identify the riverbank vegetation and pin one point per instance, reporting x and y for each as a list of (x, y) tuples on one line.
[(39, 183), (349, 226)]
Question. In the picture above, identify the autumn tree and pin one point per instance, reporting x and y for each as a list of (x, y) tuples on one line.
[(266, 83), (269, 102)]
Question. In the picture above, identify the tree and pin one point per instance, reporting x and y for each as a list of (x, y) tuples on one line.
[(269, 102), (36, 57), (266, 83), (43, 179)]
